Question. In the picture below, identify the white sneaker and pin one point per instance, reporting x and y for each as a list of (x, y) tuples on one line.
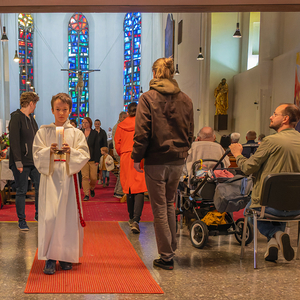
[(283, 241), (272, 250)]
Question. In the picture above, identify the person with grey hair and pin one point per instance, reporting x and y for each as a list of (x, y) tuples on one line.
[(235, 137), (206, 134), (205, 148)]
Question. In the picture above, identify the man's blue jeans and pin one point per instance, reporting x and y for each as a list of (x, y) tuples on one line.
[(268, 229), (21, 180)]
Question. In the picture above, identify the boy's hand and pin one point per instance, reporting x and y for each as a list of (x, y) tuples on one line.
[(66, 148), (53, 148)]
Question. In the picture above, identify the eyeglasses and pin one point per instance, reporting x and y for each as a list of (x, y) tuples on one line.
[(275, 115)]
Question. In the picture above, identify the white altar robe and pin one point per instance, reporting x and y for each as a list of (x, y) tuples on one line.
[(60, 235)]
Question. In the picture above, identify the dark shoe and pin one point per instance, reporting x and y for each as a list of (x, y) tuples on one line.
[(23, 225), (107, 181), (167, 265), (283, 240), (50, 267), (86, 198), (65, 265), (36, 217), (92, 193), (135, 228), (272, 250)]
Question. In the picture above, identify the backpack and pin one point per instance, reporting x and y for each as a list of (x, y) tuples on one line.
[(233, 194)]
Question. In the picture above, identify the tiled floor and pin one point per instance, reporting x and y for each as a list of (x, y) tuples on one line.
[(214, 272)]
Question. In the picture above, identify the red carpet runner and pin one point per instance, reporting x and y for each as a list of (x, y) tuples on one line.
[(109, 265), (103, 207)]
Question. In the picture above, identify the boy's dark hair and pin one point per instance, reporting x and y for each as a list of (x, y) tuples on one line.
[(131, 109), (27, 97), (63, 97)]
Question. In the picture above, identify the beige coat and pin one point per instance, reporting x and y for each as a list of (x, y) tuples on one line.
[(109, 163), (277, 153)]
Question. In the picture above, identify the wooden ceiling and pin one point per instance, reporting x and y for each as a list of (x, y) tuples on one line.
[(48, 6)]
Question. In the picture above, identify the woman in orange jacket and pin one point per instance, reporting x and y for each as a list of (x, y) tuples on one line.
[(133, 182)]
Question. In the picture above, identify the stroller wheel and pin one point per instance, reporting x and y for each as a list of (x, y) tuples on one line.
[(199, 234), (239, 225)]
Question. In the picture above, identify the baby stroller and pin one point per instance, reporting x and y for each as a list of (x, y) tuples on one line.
[(202, 201)]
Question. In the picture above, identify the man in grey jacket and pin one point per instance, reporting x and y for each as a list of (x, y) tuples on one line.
[(22, 129)]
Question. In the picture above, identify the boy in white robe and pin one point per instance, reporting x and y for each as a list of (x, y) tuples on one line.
[(60, 232)]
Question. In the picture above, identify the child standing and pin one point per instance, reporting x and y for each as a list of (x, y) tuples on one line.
[(60, 228), (106, 165)]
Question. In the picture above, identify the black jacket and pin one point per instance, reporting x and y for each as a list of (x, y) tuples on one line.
[(93, 143), (249, 148), (102, 138), (22, 130)]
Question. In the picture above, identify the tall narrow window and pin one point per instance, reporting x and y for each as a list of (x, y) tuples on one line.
[(132, 57), (78, 46), (25, 41), (253, 44)]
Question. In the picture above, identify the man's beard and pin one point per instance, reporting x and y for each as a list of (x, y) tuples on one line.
[(275, 127)]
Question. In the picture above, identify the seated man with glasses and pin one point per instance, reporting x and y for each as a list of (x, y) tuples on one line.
[(277, 153)]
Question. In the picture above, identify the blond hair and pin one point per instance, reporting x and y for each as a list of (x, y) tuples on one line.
[(28, 97), (104, 149), (164, 68)]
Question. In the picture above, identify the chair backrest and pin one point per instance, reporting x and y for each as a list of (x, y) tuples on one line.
[(281, 191)]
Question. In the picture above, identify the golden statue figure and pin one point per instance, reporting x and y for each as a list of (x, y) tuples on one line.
[(221, 94)]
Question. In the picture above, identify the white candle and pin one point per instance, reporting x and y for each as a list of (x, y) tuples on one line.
[(59, 137)]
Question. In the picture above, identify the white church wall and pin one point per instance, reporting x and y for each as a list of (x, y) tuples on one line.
[(50, 56), (152, 45), (225, 60), (189, 67), (4, 78), (14, 93), (246, 92), (284, 77), (291, 33)]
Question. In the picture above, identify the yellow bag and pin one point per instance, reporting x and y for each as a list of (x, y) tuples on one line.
[(214, 218)]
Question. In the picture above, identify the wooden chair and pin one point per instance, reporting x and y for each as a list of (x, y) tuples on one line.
[(281, 192)]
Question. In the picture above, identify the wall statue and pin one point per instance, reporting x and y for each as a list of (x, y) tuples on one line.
[(221, 94)]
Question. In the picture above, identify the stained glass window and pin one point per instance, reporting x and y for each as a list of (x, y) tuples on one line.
[(132, 57), (78, 47), (25, 42)]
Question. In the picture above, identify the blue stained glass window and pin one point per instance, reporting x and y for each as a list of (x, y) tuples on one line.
[(78, 45), (132, 57), (25, 48)]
